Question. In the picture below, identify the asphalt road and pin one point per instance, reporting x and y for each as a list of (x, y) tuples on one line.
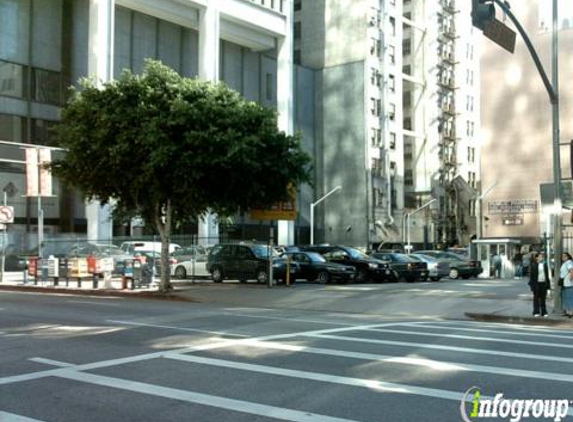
[(81, 359)]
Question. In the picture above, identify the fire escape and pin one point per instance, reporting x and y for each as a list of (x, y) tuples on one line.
[(448, 221)]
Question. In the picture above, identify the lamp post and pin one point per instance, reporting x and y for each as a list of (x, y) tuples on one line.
[(312, 205), (409, 220)]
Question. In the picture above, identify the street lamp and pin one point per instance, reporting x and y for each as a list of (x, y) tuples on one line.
[(312, 205), (409, 220)]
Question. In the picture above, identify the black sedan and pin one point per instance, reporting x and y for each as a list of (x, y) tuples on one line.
[(367, 268), (314, 267), (403, 267)]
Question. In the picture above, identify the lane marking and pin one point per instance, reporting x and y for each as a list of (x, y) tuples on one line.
[(11, 417), (462, 337), (168, 327), (372, 384), (202, 399), (427, 363), (190, 349), (443, 347), (483, 330)]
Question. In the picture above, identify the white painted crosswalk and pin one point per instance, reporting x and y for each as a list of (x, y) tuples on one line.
[(427, 360)]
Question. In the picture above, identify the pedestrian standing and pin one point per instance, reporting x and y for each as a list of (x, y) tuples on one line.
[(566, 283), (518, 263), (496, 264), (539, 283)]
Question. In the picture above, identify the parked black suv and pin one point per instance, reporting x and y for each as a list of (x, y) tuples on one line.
[(246, 262), (367, 268)]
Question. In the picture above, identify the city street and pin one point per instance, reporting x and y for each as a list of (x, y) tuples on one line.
[(67, 358)]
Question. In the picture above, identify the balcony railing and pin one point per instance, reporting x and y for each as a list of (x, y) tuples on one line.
[(276, 5)]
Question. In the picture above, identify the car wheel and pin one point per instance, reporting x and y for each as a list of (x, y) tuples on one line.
[(217, 275), (180, 272), (361, 276), (262, 276), (454, 274), (323, 277)]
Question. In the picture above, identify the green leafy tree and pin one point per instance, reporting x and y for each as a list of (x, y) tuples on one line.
[(165, 147)]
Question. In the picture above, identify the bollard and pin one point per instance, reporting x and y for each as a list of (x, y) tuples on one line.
[(287, 276)]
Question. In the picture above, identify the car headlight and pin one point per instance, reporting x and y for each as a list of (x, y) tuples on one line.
[(372, 265)]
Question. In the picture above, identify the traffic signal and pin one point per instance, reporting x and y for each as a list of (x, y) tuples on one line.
[(483, 12)]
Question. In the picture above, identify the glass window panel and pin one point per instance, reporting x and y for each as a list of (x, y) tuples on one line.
[(170, 45), (47, 34), (14, 22), (12, 80), (12, 128), (46, 86), (41, 131), (144, 36)]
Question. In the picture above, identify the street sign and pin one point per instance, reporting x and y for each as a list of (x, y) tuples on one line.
[(500, 34), (512, 219), (6, 214)]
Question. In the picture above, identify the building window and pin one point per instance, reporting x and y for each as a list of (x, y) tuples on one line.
[(376, 137), (407, 98), (392, 83), (376, 106), (13, 128), (392, 142), (409, 177), (392, 54), (297, 56), (392, 112), (12, 80), (407, 123), (46, 86), (406, 47), (472, 207), (297, 5), (297, 30), (269, 87), (375, 47), (392, 26), (41, 131)]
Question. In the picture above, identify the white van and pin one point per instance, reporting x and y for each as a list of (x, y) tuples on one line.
[(143, 246)]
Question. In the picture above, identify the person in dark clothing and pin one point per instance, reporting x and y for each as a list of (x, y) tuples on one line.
[(540, 283), (518, 263)]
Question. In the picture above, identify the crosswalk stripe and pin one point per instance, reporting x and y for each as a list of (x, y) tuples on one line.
[(428, 363), (517, 327), (483, 330), (11, 417), (462, 337), (202, 399), (443, 347), (381, 386)]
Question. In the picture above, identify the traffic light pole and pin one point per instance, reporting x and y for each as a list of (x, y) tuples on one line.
[(553, 92)]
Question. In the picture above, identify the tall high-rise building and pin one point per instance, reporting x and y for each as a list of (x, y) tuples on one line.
[(47, 45), (397, 113)]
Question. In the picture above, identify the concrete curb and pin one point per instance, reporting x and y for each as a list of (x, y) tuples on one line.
[(552, 320), (134, 294)]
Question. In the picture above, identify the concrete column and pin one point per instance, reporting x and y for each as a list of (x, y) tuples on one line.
[(285, 102), (100, 66), (209, 41)]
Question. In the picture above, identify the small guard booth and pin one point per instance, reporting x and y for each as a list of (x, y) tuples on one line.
[(506, 248)]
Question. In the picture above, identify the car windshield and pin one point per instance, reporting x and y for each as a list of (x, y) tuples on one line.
[(262, 251), (315, 257), (356, 254), (424, 257)]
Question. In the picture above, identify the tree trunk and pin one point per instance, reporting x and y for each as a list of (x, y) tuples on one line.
[(164, 229)]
